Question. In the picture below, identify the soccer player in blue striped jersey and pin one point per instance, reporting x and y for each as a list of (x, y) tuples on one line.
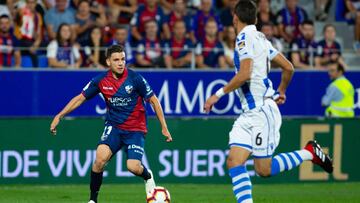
[(256, 131)]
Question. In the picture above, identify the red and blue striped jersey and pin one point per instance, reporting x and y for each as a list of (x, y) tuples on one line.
[(125, 99), (8, 45)]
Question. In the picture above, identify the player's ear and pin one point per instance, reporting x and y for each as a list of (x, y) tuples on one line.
[(108, 61), (235, 20)]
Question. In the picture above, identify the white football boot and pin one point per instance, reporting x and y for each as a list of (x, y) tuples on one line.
[(150, 183)]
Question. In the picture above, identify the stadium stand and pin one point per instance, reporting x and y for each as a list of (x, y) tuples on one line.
[(102, 14)]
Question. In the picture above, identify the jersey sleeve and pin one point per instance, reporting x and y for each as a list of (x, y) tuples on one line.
[(143, 87), (244, 47), (51, 50), (272, 51), (91, 89)]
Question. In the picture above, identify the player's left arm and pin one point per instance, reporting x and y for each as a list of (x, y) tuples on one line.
[(237, 81), (286, 76), (160, 115)]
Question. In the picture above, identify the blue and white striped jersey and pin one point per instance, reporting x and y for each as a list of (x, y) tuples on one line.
[(251, 44)]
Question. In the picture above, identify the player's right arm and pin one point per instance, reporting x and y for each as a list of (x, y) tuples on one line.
[(287, 73), (71, 106), (89, 91)]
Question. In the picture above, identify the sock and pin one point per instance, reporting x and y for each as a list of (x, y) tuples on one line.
[(145, 174), (241, 184), (95, 183), (287, 161)]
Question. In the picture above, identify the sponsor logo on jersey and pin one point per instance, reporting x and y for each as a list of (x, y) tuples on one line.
[(241, 45), (107, 88), (120, 101)]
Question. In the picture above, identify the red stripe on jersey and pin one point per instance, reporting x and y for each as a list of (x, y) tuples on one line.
[(137, 119), (109, 85)]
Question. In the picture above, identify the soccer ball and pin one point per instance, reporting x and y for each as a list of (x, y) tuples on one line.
[(158, 195)]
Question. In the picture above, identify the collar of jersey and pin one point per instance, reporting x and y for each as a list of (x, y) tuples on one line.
[(249, 28)]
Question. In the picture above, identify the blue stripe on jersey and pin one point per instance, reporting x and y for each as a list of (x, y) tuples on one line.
[(242, 36), (237, 61), (267, 85), (248, 96)]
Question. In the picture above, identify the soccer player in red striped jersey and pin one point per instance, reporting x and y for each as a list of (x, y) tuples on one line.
[(125, 93)]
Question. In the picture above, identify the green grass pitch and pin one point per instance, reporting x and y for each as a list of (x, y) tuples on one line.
[(183, 193)]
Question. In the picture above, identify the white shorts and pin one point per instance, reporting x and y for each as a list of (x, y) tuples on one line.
[(258, 130)]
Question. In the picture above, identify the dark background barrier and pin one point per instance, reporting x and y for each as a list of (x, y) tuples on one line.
[(182, 93)]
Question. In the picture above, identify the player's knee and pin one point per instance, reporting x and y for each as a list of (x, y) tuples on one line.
[(99, 165), (263, 172), (233, 162)]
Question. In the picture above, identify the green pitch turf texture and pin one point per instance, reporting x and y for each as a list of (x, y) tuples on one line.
[(183, 193)]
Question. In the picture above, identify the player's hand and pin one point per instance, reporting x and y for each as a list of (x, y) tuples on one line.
[(167, 134), (281, 98), (210, 103), (54, 124)]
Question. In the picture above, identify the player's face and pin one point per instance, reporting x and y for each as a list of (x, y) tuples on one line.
[(235, 22), (330, 34), (117, 62)]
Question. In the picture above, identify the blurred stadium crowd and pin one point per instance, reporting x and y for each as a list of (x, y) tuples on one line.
[(172, 33)]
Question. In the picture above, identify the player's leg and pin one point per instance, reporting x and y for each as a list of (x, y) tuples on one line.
[(240, 143), (135, 166), (267, 140), (134, 142), (238, 173), (103, 155), (266, 167), (286, 161), (109, 144)]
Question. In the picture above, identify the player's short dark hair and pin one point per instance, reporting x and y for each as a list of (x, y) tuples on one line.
[(114, 49), (246, 11), (308, 22)]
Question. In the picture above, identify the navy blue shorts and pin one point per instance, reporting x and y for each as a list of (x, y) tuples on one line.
[(116, 138)]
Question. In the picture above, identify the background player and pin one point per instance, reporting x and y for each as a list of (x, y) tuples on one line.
[(125, 125), (256, 131)]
